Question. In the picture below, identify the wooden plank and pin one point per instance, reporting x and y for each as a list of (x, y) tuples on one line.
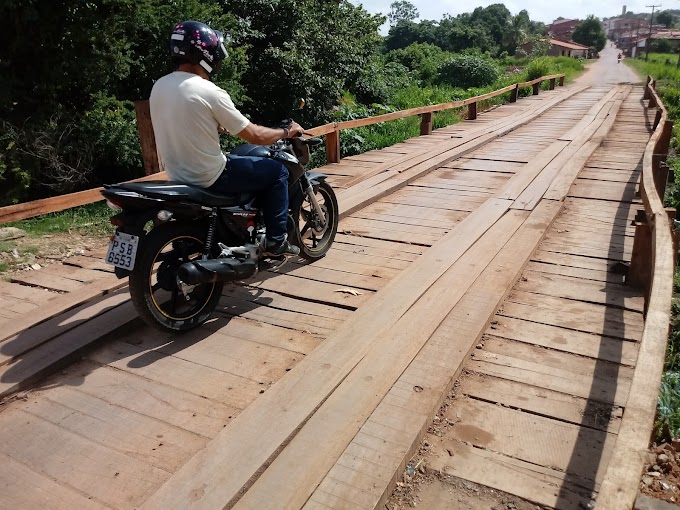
[(60, 305), (541, 401), (17, 345), (26, 489), (39, 361), (154, 399), (337, 421), (285, 318), (577, 272), (261, 361), (552, 337), (333, 276), (278, 301), (576, 315), (26, 293), (599, 389), (120, 481), (405, 250), (134, 435), (582, 290), (541, 485), (357, 396), (620, 486), (531, 438), (88, 263), (251, 438), (319, 292), (436, 366), (200, 380)]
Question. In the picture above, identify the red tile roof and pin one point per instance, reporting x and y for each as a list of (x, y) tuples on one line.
[(570, 45)]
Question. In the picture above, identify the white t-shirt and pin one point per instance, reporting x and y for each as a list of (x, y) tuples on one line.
[(185, 112)]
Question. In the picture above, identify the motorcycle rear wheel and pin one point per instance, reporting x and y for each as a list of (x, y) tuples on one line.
[(154, 288), (314, 240)]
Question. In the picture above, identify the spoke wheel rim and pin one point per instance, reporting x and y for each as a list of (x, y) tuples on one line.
[(164, 289), (315, 239)]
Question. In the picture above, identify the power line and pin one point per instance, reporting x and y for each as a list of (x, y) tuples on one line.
[(648, 43)]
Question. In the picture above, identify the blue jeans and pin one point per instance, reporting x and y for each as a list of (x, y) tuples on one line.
[(268, 180)]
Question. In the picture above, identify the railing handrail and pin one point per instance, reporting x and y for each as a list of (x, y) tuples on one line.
[(619, 487), (332, 130)]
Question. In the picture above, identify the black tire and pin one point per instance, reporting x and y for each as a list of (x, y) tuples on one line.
[(314, 242), (154, 278)]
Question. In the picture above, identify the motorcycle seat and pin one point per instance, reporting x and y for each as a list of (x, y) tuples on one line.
[(176, 191)]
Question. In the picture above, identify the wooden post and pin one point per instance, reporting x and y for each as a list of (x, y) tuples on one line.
[(472, 111), (536, 87), (675, 235), (640, 270), (657, 118), (645, 96), (660, 176), (147, 138), (664, 141), (552, 83), (514, 93), (652, 101), (426, 123), (561, 81), (333, 147)]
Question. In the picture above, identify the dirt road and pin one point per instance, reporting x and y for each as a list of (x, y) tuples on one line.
[(607, 70)]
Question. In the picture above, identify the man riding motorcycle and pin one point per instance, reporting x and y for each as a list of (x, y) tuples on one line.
[(188, 112)]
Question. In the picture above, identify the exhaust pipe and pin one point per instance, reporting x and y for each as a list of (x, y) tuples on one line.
[(216, 270)]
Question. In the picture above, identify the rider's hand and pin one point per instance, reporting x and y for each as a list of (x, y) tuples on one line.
[(222, 131), (295, 129)]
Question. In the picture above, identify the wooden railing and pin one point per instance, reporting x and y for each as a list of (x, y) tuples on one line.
[(332, 130), (652, 267), (153, 171)]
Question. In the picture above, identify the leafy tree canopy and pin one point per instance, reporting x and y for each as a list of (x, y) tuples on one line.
[(402, 10), (590, 33), (666, 18)]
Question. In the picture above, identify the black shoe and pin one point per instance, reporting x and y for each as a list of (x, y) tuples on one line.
[(282, 248)]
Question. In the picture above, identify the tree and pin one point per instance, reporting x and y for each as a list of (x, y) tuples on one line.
[(590, 33), (494, 19), (402, 10), (303, 48), (665, 18), (516, 33)]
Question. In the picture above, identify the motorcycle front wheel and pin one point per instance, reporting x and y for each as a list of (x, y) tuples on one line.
[(156, 292), (313, 235)]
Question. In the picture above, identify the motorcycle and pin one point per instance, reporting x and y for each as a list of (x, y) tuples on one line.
[(179, 244)]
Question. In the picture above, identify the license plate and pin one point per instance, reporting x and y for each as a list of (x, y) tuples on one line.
[(122, 250)]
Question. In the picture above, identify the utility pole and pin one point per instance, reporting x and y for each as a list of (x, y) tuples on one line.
[(651, 22)]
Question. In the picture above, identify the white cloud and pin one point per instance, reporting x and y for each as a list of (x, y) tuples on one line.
[(539, 10)]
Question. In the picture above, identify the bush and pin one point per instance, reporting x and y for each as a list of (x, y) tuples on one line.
[(110, 130), (421, 58), (379, 82), (467, 71), (542, 66)]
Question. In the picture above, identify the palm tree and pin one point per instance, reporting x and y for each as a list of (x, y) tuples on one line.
[(516, 32)]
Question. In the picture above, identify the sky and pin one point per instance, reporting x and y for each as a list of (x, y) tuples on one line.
[(539, 10)]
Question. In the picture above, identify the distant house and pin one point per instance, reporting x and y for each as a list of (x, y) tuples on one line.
[(562, 49), (635, 47), (563, 29)]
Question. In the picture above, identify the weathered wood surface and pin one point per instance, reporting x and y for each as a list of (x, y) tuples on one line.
[(323, 395)]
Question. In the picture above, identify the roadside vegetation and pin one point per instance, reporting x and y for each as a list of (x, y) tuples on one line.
[(663, 67), (67, 119)]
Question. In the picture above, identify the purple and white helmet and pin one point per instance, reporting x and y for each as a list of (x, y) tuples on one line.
[(196, 43)]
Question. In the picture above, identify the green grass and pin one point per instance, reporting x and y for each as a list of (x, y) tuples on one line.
[(91, 219), (663, 68), (378, 136)]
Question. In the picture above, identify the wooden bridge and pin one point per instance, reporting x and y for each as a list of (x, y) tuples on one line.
[(496, 304)]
